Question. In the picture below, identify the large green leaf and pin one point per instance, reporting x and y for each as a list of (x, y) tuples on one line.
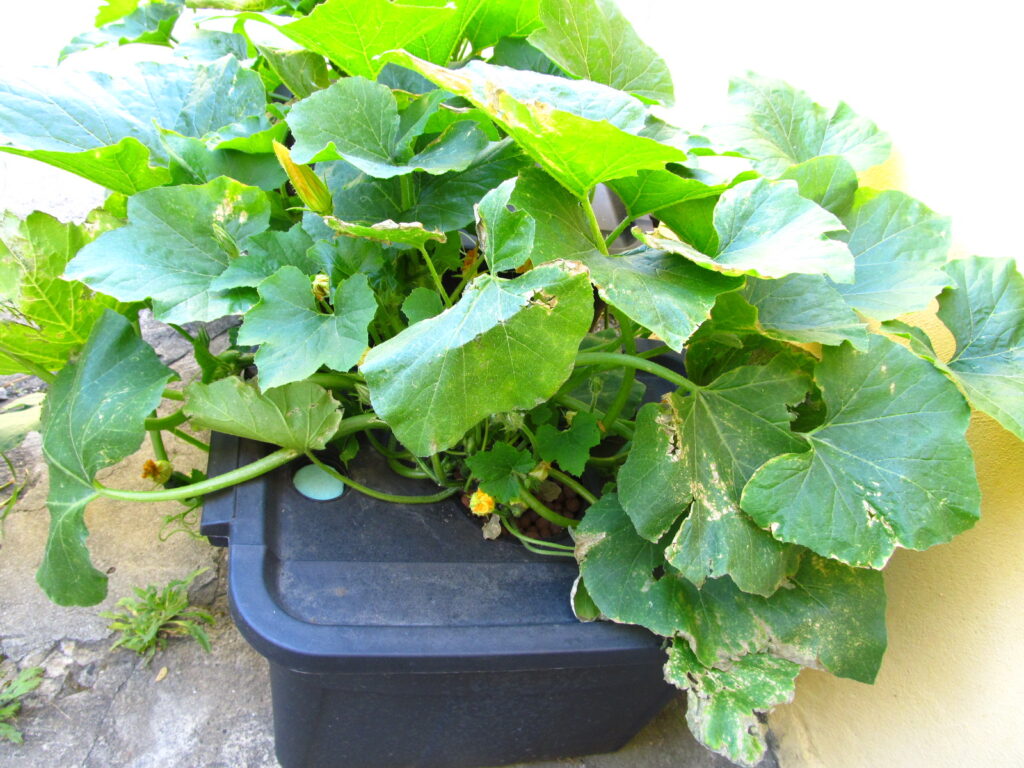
[(649, 191), (441, 43), (506, 345), (828, 180), (301, 415), (352, 33), (593, 40), (301, 72), (296, 338), (178, 240), (722, 705), (152, 22), (502, 18), (93, 417), (48, 319), (444, 203), (804, 308), (778, 126), (900, 247), (699, 451), (557, 121), (985, 312), (829, 615), (506, 236), (358, 120), (889, 467), (266, 253), (766, 229), (661, 291), (106, 127)]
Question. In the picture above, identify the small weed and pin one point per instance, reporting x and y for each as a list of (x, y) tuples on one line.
[(11, 692), (154, 615)]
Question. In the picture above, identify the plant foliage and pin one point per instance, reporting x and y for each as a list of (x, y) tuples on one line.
[(396, 200)]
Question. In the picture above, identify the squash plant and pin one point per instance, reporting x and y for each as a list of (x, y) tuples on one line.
[(396, 201)]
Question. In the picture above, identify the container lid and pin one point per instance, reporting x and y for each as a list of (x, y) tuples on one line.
[(358, 584)]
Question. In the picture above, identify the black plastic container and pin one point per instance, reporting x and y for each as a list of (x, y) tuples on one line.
[(397, 636)]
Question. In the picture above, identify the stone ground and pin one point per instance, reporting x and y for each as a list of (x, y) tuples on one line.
[(98, 708)]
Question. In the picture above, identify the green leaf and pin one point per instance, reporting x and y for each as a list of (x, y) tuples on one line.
[(193, 162), (352, 33), (412, 234), (499, 470), (778, 126), (441, 43), (766, 229), (506, 236), (358, 121), (112, 10), (699, 451), (301, 415), (594, 41), (296, 338), (650, 191), (900, 247), (421, 304), (829, 181), (804, 308), (557, 121), (723, 704), (661, 291), (984, 310), (830, 616), (502, 18), (517, 53), (152, 22), (855, 496), (178, 240), (266, 253), (512, 342), (48, 319), (106, 128), (19, 417), (302, 72), (570, 448), (93, 418), (208, 45)]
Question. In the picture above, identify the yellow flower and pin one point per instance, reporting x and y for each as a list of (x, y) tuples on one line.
[(481, 503)]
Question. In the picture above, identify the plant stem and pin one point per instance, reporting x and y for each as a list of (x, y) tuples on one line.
[(30, 367), (436, 277), (406, 190), (534, 545), (156, 423), (629, 375), (617, 232), (435, 464), (595, 228), (573, 483), (173, 394), (189, 439), (157, 441), (662, 349), (234, 477), (359, 423), (397, 499), (337, 380), (613, 359), (609, 460), (550, 515), (400, 469)]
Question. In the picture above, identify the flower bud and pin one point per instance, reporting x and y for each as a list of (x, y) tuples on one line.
[(309, 187)]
